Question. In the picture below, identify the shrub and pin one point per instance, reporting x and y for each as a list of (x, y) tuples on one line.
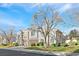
[(59, 44), (15, 44), (76, 43), (54, 45), (66, 45), (40, 44), (33, 44), (4, 44)]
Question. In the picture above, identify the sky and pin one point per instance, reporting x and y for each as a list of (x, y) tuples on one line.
[(19, 16)]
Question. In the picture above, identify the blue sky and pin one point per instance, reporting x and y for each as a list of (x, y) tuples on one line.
[(20, 15)]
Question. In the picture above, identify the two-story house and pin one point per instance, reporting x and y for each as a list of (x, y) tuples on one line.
[(29, 36)]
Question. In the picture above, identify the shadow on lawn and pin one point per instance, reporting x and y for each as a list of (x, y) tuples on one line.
[(76, 51)]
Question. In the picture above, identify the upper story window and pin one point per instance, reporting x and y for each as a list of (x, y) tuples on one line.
[(33, 33)]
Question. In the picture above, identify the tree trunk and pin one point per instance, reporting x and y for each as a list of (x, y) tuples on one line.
[(45, 43), (48, 44)]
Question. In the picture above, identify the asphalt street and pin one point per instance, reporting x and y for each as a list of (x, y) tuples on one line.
[(6, 52)]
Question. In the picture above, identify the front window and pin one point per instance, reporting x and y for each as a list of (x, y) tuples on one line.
[(33, 33)]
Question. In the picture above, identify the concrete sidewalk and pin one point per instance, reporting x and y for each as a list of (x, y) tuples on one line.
[(21, 48)]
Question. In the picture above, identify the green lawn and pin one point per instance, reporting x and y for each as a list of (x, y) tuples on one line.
[(57, 49), (1, 46), (8, 45), (73, 47)]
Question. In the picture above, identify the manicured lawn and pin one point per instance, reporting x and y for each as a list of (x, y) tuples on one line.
[(57, 49), (7, 45), (1, 46), (72, 47)]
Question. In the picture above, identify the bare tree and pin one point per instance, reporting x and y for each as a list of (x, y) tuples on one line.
[(11, 33), (8, 34), (46, 20), (4, 34)]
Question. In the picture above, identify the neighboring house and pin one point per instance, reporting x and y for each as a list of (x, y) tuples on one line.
[(74, 34), (29, 36), (1, 39), (60, 38)]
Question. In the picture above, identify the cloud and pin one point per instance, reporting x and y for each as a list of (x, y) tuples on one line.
[(37, 5), (65, 8), (11, 23), (62, 9), (13, 16)]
